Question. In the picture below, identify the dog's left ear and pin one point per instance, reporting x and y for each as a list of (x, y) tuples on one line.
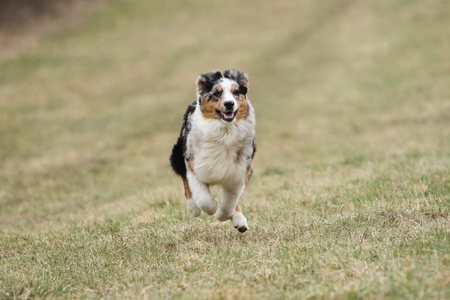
[(206, 82), (240, 77)]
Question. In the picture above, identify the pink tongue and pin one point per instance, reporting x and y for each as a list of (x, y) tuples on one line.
[(229, 115)]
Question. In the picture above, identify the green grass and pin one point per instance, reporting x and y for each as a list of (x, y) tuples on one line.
[(350, 196)]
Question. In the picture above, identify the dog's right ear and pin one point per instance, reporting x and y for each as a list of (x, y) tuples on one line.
[(206, 82), (240, 77)]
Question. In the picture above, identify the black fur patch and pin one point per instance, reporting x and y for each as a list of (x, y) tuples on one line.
[(243, 90), (240, 77), (254, 149), (179, 149), (206, 82)]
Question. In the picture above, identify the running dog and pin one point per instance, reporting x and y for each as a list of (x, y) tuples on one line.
[(217, 146)]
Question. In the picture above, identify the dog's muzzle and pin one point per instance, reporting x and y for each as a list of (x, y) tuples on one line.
[(229, 113)]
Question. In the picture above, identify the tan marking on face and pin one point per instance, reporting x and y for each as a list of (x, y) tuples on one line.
[(209, 109), (243, 108), (187, 189)]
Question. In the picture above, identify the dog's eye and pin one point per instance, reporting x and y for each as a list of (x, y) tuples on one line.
[(236, 92), (217, 94)]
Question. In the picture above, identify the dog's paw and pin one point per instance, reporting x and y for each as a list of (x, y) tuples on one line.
[(208, 206), (193, 208), (239, 222)]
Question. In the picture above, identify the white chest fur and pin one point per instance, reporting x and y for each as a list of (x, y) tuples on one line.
[(221, 151)]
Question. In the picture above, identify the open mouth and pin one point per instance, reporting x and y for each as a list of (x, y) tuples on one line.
[(227, 116)]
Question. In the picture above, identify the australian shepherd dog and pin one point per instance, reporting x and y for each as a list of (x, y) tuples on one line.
[(217, 145)]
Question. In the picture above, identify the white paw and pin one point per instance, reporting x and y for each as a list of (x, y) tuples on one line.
[(209, 206), (221, 216), (193, 208), (239, 222)]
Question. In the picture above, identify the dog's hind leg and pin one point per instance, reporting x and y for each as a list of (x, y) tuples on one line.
[(192, 207), (201, 196)]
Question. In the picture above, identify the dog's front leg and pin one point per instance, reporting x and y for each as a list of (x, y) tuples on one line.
[(228, 209), (201, 197)]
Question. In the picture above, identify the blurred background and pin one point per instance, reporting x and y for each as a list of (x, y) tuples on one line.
[(92, 95)]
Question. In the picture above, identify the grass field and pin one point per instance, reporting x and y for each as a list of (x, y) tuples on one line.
[(350, 195)]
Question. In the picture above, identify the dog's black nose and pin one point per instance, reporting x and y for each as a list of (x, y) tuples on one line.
[(228, 105)]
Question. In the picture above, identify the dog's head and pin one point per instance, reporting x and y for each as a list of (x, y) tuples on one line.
[(223, 96)]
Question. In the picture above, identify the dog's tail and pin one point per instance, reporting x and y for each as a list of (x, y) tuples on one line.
[(177, 158), (179, 149)]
